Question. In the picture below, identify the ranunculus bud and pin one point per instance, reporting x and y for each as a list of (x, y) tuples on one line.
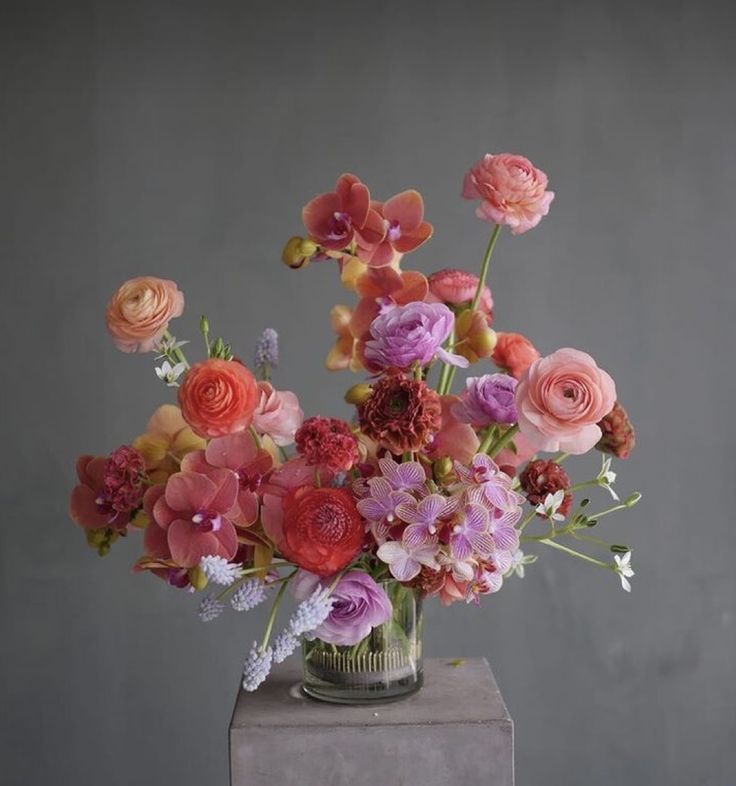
[(358, 393)]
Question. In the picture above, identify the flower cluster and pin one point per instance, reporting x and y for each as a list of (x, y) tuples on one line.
[(421, 489)]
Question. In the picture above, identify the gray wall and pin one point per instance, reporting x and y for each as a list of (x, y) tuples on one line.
[(181, 139)]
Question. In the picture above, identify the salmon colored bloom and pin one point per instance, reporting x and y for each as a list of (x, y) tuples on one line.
[(514, 353), (512, 191), (218, 397), (278, 414), (194, 513), (336, 219), (87, 505), (404, 229), (342, 355), (167, 439), (457, 288), (139, 313), (560, 400)]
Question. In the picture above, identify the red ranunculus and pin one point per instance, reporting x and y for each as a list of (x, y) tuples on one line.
[(322, 529)]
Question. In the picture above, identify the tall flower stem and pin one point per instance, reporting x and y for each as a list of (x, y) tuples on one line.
[(177, 353), (274, 611), (442, 385), (484, 266), (502, 441), (553, 544)]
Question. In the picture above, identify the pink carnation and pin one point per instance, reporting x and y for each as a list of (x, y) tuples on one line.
[(278, 414), (511, 189), (560, 400)]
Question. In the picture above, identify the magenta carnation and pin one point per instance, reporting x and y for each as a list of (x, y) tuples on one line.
[(410, 334)]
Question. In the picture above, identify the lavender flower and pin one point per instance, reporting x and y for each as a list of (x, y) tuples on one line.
[(484, 474), (413, 333), (283, 646), (256, 667), (210, 608), (487, 399), (409, 476), (423, 516), (380, 507), (248, 595), (219, 571), (267, 350), (405, 561), (311, 613)]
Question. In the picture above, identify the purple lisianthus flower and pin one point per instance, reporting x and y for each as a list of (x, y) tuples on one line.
[(358, 605), (413, 333), (487, 399)]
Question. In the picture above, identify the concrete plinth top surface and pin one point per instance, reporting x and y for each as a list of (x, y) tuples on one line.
[(455, 692)]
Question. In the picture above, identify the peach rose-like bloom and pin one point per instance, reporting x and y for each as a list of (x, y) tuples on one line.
[(139, 313), (218, 397), (514, 353), (278, 414), (457, 287), (560, 400), (512, 191)]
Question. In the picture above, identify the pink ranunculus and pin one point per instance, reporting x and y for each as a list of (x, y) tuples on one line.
[(278, 414), (195, 512), (560, 400), (239, 453), (456, 288), (139, 313), (511, 189)]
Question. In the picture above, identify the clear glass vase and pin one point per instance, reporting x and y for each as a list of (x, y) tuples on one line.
[(386, 665)]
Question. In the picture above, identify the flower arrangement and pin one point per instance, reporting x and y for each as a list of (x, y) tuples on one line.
[(422, 491)]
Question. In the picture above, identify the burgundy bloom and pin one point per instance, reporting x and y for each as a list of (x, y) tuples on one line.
[(328, 443), (401, 414), (123, 481), (542, 477), (619, 436)]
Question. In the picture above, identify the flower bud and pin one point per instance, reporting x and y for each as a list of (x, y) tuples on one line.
[(631, 500), (204, 324), (298, 251), (442, 469), (618, 549), (359, 393), (474, 338), (197, 578)]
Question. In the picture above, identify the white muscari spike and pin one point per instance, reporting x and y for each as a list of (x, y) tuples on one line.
[(284, 645), (267, 349), (219, 571), (256, 667), (311, 613), (210, 608), (248, 595)]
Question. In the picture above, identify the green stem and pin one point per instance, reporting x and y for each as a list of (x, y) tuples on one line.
[(607, 511), (177, 353), (256, 436), (487, 440), (274, 610), (442, 385), (484, 266), (553, 544), (526, 521), (504, 440), (250, 571), (560, 457), (586, 484)]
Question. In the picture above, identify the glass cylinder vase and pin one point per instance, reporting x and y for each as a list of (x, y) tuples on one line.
[(384, 666)]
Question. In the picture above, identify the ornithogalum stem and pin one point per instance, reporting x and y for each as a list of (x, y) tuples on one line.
[(178, 355), (579, 555)]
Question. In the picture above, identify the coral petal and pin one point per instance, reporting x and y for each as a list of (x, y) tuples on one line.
[(407, 208)]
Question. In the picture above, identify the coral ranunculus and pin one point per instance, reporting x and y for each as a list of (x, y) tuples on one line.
[(511, 189), (322, 529), (514, 353), (560, 400), (139, 313), (457, 287), (218, 397)]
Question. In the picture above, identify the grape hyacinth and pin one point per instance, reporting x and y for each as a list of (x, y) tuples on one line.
[(267, 350), (219, 571), (256, 667), (283, 646), (248, 595), (210, 608), (311, 613)]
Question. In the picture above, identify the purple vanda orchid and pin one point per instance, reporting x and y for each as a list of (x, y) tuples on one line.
[(380, 507), (424, 517), (406, 561), (471, 533)]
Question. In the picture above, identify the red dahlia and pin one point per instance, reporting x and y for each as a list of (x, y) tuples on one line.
[(542, 477), (327, 442), (322, 528), (123, 481), (401, 414)]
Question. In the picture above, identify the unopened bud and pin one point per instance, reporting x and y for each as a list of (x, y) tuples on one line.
[(204, 325), (359, 393), (298, 251), (619, 549), (197, 578), (442, 468), (484, 342), (631, 500)]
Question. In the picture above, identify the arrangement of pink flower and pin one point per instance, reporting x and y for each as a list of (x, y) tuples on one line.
[(434, 489)]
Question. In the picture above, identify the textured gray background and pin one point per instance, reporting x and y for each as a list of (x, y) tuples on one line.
[(181, 139)]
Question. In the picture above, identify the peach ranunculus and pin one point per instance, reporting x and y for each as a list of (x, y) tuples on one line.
[(511, 189), (278, 414), (139, 313), (218, 397), (514, 353), (560, 400), (456, 288), (167, 439)]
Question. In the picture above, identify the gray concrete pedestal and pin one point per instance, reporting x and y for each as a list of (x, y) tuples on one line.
[(455, 730)]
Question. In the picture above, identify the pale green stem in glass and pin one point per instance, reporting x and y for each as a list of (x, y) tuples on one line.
[(484, 266), (274, 610), (502, 441), (553, 544)]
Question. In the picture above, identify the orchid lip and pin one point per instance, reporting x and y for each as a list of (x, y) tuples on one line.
[(207, 521)]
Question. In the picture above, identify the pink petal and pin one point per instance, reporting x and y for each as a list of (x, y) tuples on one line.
[(407, 208), (415, 535), (155, 542), (188, 545), (226, 490), (195, 462), (317, 212), (83, 509), (373, 231), (233, 451), (248, 507), (412, 240), (188, 492)]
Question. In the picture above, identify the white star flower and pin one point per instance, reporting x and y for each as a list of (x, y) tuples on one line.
[(170, 374), (551, 505), (623, 568), (607, 477)]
